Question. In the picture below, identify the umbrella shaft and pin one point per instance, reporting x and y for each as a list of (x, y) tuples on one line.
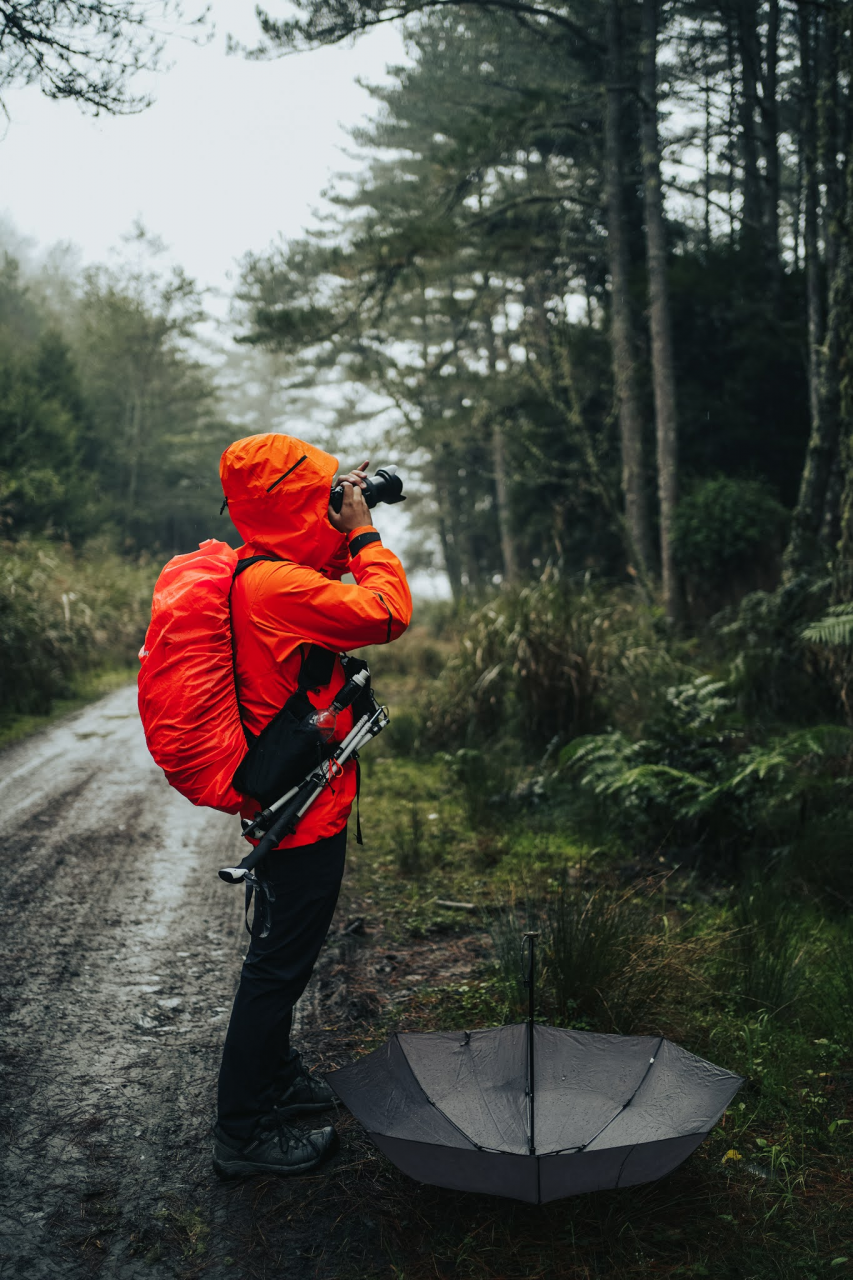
[(530, 938), (530, 1092)]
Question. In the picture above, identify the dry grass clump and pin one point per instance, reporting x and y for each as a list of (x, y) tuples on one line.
[(608, 961), (63, 613), (556, 658)]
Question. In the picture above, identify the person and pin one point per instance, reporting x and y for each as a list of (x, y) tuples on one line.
[(277, 491)]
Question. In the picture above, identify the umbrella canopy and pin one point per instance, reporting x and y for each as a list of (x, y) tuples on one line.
[(468, 1111)]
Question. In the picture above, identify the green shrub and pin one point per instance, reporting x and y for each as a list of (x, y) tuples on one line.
[(554, 659), (694, 778), (417, 653), (401, 736), (838, 970), (831, 638), (603, 959), (408, 842), (722, 524), (775, 672), (606, 963), (506, 928), (483, 780), (820, 860), (62, 614), (834, 628)]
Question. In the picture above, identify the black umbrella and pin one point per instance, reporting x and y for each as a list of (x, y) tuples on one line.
[(534, 1112)]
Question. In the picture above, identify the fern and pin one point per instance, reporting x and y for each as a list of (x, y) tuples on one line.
[(697, 704), (834, 628), (690, 775)]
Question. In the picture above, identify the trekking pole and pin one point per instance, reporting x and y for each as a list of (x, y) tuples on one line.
[(263, 818), (343, 698), (529, 982), (296, 803)]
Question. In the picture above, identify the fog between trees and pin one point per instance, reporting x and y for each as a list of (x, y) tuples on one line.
[(575, 339), (591, 266)]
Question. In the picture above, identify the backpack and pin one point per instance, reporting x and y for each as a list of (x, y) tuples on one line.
[(187, 692), (188, 697)]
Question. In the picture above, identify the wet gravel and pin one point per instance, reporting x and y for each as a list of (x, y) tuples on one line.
[(121, 950)]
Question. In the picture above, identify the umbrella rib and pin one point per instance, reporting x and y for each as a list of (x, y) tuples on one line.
[(565, 1151), (483, 1097), (628, 1153), (589, 1141), (435, 1105)]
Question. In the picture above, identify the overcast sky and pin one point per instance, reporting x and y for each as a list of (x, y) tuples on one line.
[(231, 154)]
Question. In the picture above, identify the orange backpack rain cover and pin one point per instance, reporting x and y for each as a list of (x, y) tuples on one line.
[(187, 695)]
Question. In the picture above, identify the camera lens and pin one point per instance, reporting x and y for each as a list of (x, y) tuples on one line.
[(385, 486)]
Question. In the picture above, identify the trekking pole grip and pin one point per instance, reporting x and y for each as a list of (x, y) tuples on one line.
[(234, 875)]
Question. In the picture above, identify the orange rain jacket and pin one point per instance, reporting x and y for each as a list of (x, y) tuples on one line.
[(277, 490)]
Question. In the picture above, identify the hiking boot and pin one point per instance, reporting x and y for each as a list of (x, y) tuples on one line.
[(275, 1148), (305, 1094)]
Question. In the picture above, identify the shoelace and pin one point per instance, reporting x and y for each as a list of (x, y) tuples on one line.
[(287, 1134)]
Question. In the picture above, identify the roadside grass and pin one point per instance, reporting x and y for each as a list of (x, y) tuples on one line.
[(755, 977), (768, 1194), (85, 688), (749, 1219), (752, 976), (71, 623)]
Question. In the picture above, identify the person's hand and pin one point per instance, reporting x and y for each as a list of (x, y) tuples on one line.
[(357, 476), (354, 512)]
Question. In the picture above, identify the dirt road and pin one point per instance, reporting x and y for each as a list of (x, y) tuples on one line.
[(121, 950)]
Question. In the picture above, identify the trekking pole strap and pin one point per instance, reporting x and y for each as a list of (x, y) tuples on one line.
[(307, 792)]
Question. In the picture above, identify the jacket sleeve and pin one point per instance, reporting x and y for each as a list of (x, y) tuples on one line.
[(338, 564), (340, 615)]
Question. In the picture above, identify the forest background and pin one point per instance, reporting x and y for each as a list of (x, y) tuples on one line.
[(590, 280)]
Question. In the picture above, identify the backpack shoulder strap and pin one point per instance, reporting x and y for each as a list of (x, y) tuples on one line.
[(244, 564), (317, 669), (238, 569), (317, 665)]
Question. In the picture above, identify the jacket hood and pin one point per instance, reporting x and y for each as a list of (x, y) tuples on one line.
[(277, 488)]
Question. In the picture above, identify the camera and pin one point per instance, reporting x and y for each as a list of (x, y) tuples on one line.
[(385, 486)]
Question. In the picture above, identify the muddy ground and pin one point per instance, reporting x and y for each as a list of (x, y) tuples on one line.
[(121, 953)]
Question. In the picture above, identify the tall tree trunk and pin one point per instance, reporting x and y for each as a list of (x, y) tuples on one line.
[(824, 350), (663, 371), (749, 52), (449, 548), (731, 125), (707, 173), (808, 161), (510, 563), (770, 132), (621, 325), (830, 36), (498, 452), (830, 525), (841, 302), (840, 319)]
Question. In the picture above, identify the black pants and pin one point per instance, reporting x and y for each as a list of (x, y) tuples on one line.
[(256, 1059)]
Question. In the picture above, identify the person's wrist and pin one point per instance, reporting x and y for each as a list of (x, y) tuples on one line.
[(362, 537)]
